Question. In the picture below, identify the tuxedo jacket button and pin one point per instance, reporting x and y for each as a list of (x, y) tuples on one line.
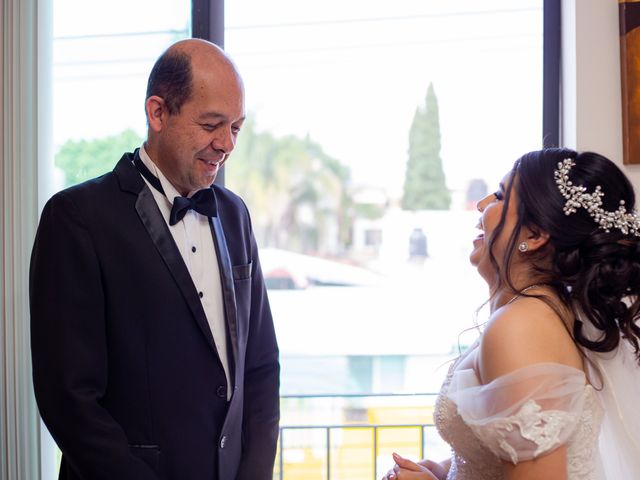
[(221, 391), (223, 441)]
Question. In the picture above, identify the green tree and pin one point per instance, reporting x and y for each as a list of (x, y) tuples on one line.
[(425, 185), (297, 194), (84, 159)]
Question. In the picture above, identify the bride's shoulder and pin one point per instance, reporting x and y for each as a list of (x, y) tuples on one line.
[(524, 333), (523, 322)]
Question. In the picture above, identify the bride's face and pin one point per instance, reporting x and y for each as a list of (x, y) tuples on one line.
[(491, 208)]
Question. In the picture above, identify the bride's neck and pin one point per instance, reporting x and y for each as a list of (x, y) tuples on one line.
[(505, 295)]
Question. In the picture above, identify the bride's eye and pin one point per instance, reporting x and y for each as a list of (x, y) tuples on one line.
[(499, 195)]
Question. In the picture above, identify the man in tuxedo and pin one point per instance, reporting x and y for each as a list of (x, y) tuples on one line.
[(153, 347)]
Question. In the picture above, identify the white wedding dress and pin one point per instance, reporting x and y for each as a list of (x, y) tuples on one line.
[(518, 417)]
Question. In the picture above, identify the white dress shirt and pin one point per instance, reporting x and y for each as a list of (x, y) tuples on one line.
[(194, 240)]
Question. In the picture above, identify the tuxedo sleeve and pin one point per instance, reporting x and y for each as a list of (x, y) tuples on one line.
[(261, 385), (69, 347)]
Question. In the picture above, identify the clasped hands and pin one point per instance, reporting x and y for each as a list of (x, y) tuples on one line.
[(405, 469)]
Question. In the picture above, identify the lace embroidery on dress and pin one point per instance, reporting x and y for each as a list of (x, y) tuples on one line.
[(470, 460), (543, 428)]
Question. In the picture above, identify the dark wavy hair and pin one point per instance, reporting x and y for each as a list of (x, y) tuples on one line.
[(595, 273), (171, 79)]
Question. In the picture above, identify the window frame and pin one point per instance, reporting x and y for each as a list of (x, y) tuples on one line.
[(207, 23), (551, 77)]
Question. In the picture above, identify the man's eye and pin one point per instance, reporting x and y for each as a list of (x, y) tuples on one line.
[(209, 127)]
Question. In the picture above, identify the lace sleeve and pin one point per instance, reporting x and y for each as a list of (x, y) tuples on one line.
[(522, 415)]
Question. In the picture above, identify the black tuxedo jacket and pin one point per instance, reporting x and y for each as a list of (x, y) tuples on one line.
[(126, 372)]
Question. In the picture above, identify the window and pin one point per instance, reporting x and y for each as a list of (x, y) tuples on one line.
[(369, 284)]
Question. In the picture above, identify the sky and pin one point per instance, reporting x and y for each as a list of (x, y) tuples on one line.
[(352, 74), (349, 73)]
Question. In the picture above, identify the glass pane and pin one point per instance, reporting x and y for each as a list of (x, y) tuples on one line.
[(102, 55), (367, 266)]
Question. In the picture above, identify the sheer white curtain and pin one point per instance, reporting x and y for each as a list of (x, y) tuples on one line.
[(19, 424)]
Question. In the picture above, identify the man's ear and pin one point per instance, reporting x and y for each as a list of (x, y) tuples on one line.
[(156, 112), (536, 238)]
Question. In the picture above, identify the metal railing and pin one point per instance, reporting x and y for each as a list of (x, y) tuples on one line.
[(323, 433)]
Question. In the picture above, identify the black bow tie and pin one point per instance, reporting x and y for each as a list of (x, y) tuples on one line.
[(203, 201)]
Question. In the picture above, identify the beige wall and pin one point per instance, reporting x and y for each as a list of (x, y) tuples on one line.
[(591, 105)]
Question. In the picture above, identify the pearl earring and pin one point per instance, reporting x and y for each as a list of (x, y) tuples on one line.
[(523, 247)]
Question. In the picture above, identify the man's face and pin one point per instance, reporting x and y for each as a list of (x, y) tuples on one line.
[(195, 142)]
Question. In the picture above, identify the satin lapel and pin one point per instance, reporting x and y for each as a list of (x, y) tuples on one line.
[(226, 277), (151, 217)]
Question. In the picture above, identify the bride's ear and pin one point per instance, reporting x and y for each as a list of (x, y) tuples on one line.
[(535, 238)]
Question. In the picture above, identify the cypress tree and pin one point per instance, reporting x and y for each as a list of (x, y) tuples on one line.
[(425, 186)]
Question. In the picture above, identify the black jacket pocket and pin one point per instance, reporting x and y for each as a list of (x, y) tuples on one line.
[(242, 272)]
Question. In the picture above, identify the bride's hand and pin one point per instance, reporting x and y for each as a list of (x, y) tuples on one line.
[(438, 469), (405, 469)]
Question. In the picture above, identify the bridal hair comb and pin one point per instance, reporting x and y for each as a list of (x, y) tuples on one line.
[(577, 197)]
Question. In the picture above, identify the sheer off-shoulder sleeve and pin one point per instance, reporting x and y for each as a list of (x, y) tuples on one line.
[(524, 414)]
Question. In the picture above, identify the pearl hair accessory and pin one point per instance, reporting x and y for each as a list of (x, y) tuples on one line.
[(577, 197), (523, 247)]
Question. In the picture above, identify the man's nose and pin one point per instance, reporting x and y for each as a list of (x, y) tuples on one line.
[(225, 141)]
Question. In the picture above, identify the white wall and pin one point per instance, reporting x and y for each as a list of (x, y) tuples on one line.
[(591, 106)]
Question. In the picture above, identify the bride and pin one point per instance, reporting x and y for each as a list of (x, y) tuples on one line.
[(552, 387)]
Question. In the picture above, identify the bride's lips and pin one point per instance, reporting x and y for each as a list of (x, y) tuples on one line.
[(480, 236)]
